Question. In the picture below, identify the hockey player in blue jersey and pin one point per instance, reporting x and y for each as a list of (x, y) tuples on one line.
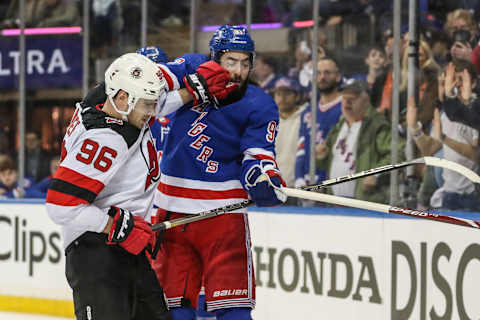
[(217, 153)]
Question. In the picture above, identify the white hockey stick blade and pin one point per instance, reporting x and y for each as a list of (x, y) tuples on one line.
[(327, 198), (446, 164), (372, 206)]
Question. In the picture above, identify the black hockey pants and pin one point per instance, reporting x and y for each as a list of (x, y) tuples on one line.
[(111, 284)]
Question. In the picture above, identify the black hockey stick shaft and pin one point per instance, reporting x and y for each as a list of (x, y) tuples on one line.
[(200, 216), (240, 205)]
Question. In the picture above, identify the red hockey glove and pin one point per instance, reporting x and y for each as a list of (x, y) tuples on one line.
[(210, 83), (130, 232)]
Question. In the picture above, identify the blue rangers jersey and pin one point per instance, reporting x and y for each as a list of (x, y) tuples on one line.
[(208, 151), (327, 116), (175, 70)]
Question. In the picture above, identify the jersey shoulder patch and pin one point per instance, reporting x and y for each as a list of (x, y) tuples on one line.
[(92, 118)]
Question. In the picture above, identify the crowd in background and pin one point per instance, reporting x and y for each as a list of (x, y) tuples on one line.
[(39, 168), (354, 111), (355, 87)]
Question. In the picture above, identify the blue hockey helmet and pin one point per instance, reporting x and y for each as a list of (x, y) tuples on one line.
[(154, 53), (231, 38)]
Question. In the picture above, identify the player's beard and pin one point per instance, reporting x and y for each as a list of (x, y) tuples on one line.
[(236, 94)]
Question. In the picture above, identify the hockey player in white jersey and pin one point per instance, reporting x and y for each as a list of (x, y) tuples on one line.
[(102, 193)]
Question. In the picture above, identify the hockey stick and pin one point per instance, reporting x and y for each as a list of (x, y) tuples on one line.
[(429, 161), (372, 206)]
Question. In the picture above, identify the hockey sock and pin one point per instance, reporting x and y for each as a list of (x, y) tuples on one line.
[(234, 314), (202, 313), (183, 313)]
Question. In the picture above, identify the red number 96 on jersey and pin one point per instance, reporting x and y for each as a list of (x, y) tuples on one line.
[(88, 152)]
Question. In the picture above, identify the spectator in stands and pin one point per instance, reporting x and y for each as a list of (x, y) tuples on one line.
[(218, 12), (330, 11), (43, 13), (10, 19), (306, 73), (440, 44), (462, 28), (56, 13), (463, 32), (328, 113), (461, 19), (359, 141), (427, 82), (42, 186), (302, 55), (442, 8), (9, 187), (36, 159), (459, 142), (382, 89), (170, 13), (108, 23), (376, 61), (287, 95), (468, 114), (265, 72)]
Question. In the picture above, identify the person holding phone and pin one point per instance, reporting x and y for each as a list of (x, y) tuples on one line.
[(463, 44)]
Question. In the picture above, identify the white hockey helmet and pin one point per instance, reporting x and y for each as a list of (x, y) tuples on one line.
[(138, 76)]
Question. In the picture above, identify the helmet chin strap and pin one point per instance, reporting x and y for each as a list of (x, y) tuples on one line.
[(123, 113)]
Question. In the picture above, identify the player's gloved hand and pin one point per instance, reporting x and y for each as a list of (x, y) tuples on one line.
[(263, 184), (210, 83), (130, 232)]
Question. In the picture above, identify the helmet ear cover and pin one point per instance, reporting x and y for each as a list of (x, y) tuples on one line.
[(138, 76)]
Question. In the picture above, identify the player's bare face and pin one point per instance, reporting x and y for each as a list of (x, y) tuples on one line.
[(238, 64), (143, 111)]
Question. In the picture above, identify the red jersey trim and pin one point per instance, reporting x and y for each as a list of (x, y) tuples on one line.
[(63, 199), (182, 192), (168, 78), (265, 157), (78, 179)]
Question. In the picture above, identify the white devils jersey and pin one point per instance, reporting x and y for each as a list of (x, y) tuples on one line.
[(105, 162)]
